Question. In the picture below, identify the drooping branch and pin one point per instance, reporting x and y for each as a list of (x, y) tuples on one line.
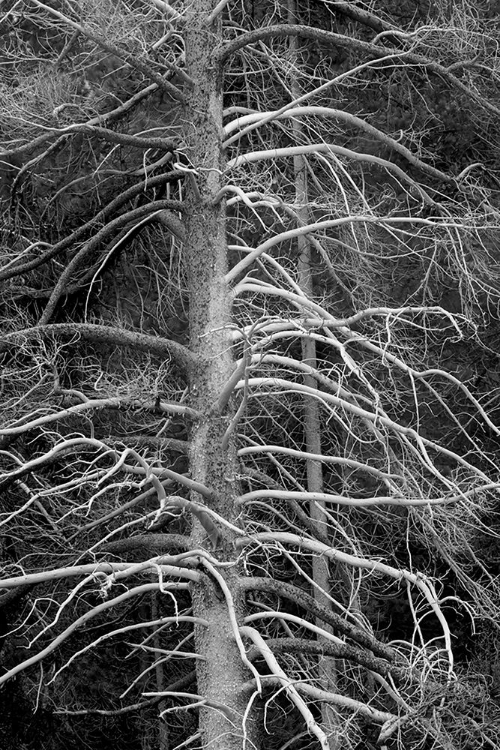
[(324, 696), (307, 602), (100, 334), (157, 544), (419, 447), (256, 119), (337, 650), (423, 583), (112, 136), (106, 212), (287, 684), (165, 217), (330, 148), (345, 42), (290, 234)]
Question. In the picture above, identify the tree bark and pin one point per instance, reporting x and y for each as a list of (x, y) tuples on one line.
[(220, 672)]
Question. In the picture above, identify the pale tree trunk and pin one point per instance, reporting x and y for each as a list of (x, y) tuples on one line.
[(327, 668), (220, 672)]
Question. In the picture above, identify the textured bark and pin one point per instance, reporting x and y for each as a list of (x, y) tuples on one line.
[(220, 672)]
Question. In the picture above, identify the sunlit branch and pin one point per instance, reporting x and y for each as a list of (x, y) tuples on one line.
[(319, 377), (357, 502), (75, 625), (290, 234), (160, 622), (167, 8), (100, 571), (338, 114), (199, 702), (162, 656), (341, 460), (96, 403), (287, 684), (329, 148), (217, 11), (342, 701), (423, 583), (75, 444), (376, 418), (312, 93)]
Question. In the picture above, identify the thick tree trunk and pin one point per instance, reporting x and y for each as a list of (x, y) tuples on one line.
[(220, 671)]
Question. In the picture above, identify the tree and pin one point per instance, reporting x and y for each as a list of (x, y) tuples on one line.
[(243, 243)]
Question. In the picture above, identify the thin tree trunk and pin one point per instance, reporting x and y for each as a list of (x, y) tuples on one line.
[(312, 424)]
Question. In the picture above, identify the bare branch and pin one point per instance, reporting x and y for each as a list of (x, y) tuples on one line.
[(344, 42), (131, 59), (100, 334), (307, 602)]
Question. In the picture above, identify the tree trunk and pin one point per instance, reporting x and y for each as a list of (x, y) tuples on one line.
[(220, 671)]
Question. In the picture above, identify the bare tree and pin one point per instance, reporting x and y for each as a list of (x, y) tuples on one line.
[(248, 252)]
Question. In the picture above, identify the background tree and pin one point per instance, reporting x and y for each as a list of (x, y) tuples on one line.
[(249, 295)]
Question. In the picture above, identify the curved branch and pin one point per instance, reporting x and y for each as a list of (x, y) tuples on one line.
[(101, 334), (330, 148), (422, 582), (337, 650), (167, 218), (99, 569), (157, 544), (58, 640), (265, 118), (20, 427), (305, 601), (286, 683), (345, 42), (324, 696), (170, 221), (108, 210), (126, 139), (305, 229), (359, 502)]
